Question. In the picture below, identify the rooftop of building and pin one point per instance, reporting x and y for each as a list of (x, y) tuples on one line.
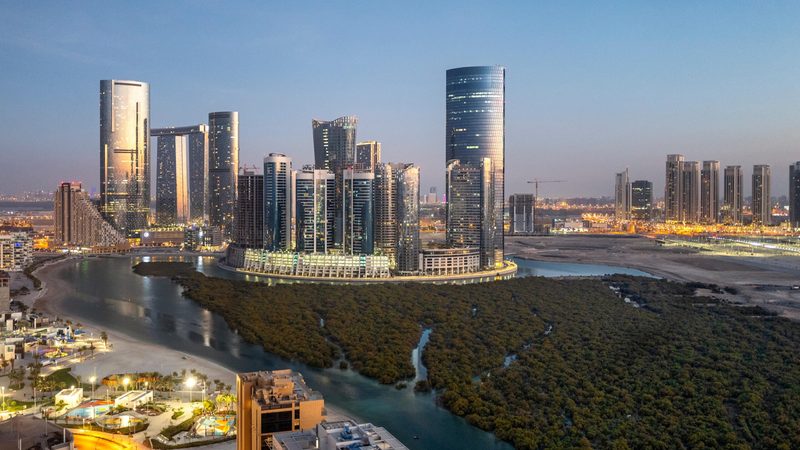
[(340, 435), (30, 432), (276, 388)]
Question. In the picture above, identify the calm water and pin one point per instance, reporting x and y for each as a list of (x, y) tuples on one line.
[(530, 268), (106, 291)]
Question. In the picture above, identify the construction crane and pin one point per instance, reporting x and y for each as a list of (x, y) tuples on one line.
[(536, 182)]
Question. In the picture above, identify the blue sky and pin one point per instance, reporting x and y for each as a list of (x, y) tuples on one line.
[(592, 87)]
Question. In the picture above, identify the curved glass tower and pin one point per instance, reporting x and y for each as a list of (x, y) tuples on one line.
[(125, 154), (475, 129)]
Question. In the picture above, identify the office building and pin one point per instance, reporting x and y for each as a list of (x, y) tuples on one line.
[(368, 155), (762, 205), (470, 208), (315, 210), (689, 211), (125, 154), (642, 200), (622, 196), (223, 168), (334, 143), (16, 251), (357, 211), (385, 209), (193, 140), (672, 189), (278, 202), (733, 195), (794, 195), (271, 402), (249, 229), (475, 130), (432, 197), (78, 222), (172, 180), (408, 241), (521, 207), (709, 192), (338, 436)]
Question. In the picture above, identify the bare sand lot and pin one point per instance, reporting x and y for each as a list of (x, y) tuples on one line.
[(765, 281)]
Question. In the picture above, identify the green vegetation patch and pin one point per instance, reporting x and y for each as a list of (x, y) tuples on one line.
[(63, 378), (548, 363)]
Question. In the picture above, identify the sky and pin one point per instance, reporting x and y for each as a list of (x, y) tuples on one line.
[(591, 87)]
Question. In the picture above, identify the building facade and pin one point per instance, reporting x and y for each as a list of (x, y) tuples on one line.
[(368, 155), (470, 208), (733, 195), (709, 192), (77, 220), (334, 143), (386, 210), (622, 196), (249, 229), (125, 154), (223, 168), (475, 131), (315, 192), (16, 251), (357, 211), (794, 195), (408, 240), (672, 189), (689, 211), (193, 140), (762, 205), (172, 180), (279, 203), (642, 200), (520, 207)]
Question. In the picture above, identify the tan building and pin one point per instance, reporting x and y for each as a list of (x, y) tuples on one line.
[(271, 402), (78, 222), (5, 289)]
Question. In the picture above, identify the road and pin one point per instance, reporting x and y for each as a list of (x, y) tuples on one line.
[(94, 440)]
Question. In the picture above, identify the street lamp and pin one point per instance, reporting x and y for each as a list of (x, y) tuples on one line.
[(190, 383), (125, 382), (3, 391)]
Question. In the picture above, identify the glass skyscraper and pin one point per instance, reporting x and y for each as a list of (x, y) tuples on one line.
[(314, 199), (278, 202), (475, 129), (125, 154), (794, 195), (733, 195), (408, 241), (223, 168), (192, 141), (249, 229), (334, 143), (357, 195), (762, 205), (470, 209), (709, 192), (642, 200), (672, 188)]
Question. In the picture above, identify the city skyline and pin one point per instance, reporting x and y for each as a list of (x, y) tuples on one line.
[(694, 96)]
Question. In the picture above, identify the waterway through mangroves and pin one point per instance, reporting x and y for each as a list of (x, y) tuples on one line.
[(105, 291)]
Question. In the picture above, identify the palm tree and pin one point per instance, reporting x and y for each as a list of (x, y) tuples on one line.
[(104, 338)]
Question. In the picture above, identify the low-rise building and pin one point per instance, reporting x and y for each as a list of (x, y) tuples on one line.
[(449, 261), (339, 435), (133, 399), (71, 397), (270, 402)]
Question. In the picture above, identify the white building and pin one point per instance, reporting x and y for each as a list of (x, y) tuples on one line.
[(132, 399), (338, 435), (16, 251), (71, 397)]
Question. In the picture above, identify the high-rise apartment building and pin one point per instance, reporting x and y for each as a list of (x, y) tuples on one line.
[(642, 200), (690, 192), (762, 205), (274, 402), (733, 195), (78, 221), (223, 168), (357, 211), (408, 240), (622, 196), (334, 143), (279, 202), (315, 210), (16, 251), (385, 207), (125, 154), (475, 130), (521, 207), (470, 208), (182, 174), (672, 189), (249, 229), (368, 155), (709, 192), (794, 195)]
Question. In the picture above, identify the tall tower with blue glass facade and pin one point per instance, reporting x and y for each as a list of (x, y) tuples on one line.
[(278, 202), (475, 130)]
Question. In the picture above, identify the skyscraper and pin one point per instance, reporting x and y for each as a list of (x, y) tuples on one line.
[(314, 199), (125, 154), (172, 180), (475, 130), (386, 210), (223, 168), (408, 242), (77, 220), (690, 192), (622, 196), (334, 143), (194, 139), (709, 192), (672, 188), (642, 200), (249, 229), (732, 196), (278, 202), (521, 209), (762, 205), (794, 195), (470, 208), (357, 195), (368, 155)]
